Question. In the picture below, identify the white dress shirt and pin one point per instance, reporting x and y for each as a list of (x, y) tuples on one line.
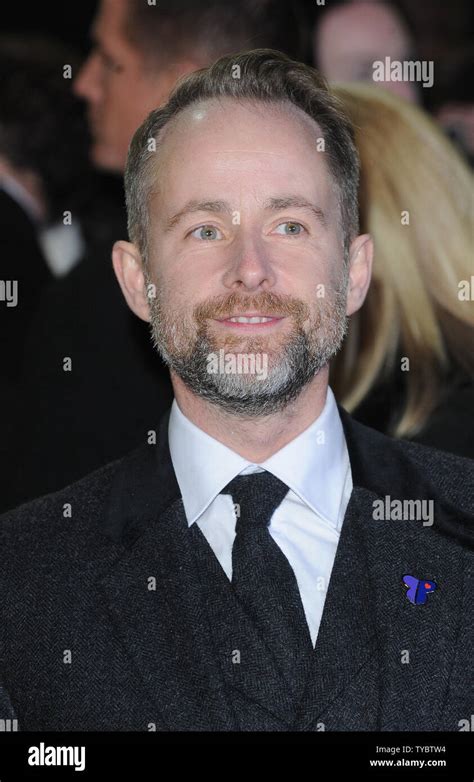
[(316, 468)]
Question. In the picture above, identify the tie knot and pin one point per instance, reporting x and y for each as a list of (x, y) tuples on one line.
[(258, 495)]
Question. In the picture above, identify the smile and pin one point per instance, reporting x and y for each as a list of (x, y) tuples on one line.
[(244, 319), (255, 321)]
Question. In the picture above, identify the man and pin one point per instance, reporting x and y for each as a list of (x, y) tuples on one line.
[(69, 414), (238, 573)]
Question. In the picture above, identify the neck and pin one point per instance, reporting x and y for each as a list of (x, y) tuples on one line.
[(256, 439)]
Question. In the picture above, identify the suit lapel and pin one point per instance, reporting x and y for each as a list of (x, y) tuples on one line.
[(346, 642), (152, 594), (417, 643), (371, 636)]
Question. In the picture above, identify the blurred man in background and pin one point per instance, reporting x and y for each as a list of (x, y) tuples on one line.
[(139, 51)]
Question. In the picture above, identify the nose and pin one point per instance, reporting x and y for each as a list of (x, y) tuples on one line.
[(88, 82), (252, 267)]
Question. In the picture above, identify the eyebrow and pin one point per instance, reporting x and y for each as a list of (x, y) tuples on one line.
[(218, 207), (223, 207), (296, 202)]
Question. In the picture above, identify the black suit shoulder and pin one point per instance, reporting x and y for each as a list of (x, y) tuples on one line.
[(452, 475), (405, 470), (59, 519)]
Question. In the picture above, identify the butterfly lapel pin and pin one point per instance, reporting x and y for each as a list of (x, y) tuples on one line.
[(418, 589)]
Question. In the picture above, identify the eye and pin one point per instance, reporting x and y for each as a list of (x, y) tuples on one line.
[(290, 229), (115, 67), (110, 63), (207, 233)]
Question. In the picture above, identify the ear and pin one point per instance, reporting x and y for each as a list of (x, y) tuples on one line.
[(128, 268), (361, 254)]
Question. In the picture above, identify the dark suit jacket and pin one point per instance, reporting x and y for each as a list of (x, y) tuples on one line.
[(86, 645), (66, 422), (23, 261)]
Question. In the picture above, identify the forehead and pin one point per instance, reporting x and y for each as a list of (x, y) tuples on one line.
[(362, 25), (226, 137), (242, 117), (110, 21)]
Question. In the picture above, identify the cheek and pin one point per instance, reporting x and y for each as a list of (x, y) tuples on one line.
[(182, 291), (113, 110), (184, 268), (175, 291), (123, 101)]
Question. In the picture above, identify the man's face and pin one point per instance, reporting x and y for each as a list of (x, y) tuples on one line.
[(351, 38), (119, 88), (245, 224)]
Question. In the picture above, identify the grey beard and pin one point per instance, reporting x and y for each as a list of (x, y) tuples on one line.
[(299, 361)]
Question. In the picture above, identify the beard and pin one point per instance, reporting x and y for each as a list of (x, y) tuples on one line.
[(186, 342)]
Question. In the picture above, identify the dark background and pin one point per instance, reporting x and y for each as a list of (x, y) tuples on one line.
[(440, 24)]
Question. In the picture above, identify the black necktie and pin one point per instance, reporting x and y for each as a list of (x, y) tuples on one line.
[(262, 577)]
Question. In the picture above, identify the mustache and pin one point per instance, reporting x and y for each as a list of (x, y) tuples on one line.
[(267, 303)]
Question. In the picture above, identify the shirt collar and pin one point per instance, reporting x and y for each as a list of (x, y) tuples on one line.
[(314, 464)]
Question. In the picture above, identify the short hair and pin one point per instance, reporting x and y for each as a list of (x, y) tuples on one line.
[(265, 76), (208, 29)]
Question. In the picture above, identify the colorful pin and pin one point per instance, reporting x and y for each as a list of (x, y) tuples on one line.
[(418, 589)]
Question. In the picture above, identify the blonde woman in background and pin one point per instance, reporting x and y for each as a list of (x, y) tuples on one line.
[(407, 366)]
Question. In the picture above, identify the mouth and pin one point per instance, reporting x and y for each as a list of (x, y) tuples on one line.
[(250, 321)]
